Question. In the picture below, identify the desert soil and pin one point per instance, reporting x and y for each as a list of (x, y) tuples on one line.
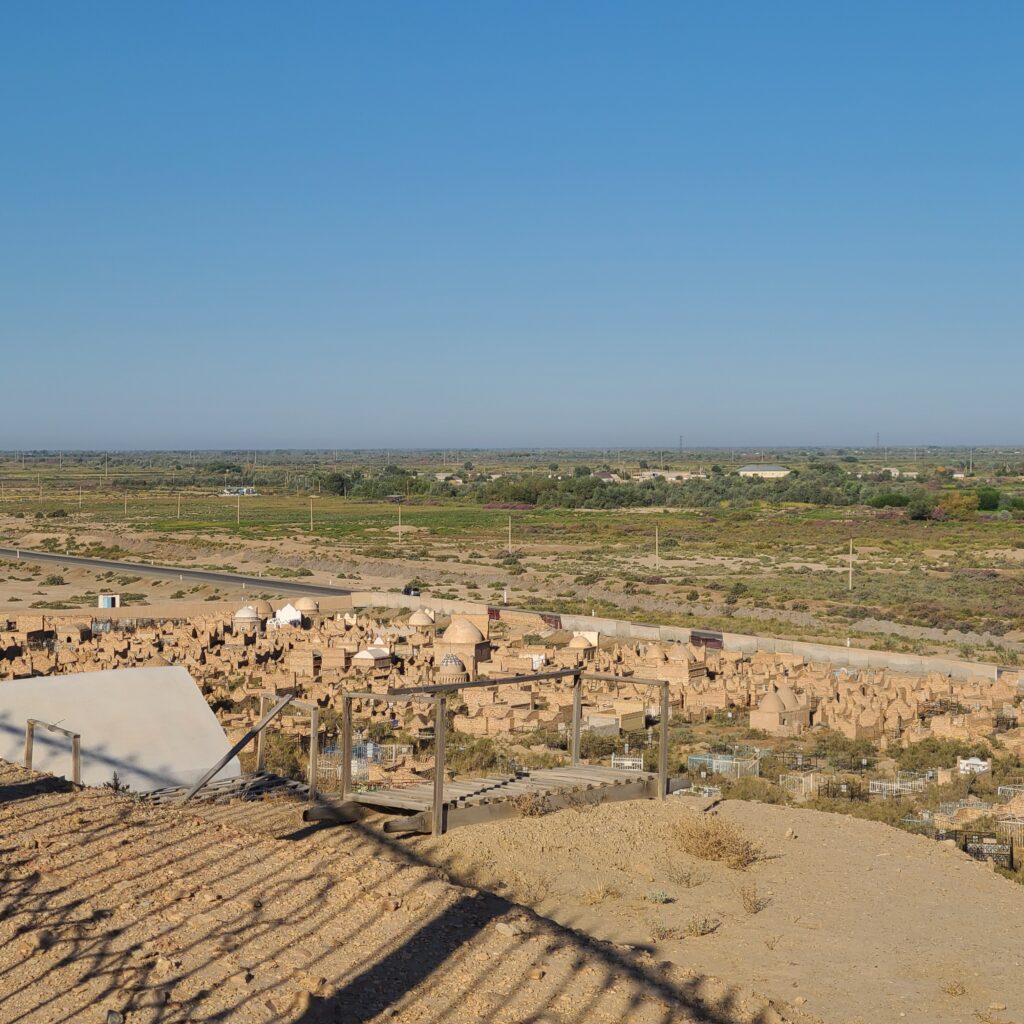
[(861, 923), (238, 913)]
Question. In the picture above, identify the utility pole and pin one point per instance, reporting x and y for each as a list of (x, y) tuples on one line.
[(510, 535), (79, 497), (850, 584)]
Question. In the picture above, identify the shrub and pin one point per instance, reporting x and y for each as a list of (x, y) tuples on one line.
[(758, 790), (752, 902), (935, 752), (713, 838), (701, 924), (658, 896)]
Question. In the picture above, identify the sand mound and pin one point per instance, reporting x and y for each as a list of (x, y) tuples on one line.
[(237, 914), (855, 920)]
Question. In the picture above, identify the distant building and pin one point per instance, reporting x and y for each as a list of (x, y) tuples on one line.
[(245, 492), (765, 470), (672, 476)]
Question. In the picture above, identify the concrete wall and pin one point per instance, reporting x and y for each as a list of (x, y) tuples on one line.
[(850, 657)]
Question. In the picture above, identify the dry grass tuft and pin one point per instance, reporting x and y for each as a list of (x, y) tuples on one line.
[(701, 924), (600, 894), (713, 838), (954, 988), (686, 878), (531, 805), (662, 933), (752, 902), (771, 943)]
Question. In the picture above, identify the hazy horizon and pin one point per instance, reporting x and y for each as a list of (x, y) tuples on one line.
[(510, 226)]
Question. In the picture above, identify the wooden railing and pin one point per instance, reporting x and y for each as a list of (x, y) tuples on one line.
[(437, 695), (76, 746)]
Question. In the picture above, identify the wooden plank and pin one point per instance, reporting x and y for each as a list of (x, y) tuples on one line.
[(497, 810), (389, 799)]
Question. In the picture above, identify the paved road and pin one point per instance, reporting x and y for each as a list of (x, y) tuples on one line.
[(203, 575)]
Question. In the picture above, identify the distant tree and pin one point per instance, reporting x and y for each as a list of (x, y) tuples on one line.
[(582, 471), (920, 505), (959, 504), (988, 498), (643, 464), (552, 466), (467, 465), (717, 470)]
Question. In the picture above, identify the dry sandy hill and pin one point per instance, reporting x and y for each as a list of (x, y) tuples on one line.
[(860, 923), (237, 913)]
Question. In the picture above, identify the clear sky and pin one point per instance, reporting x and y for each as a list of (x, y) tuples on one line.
[(510, 223)]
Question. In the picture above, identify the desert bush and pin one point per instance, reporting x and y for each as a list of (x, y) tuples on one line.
[(758, 790), (701, 924), (685, 877), (658, 896), (935, 752), (752, 902), (531, 805), (713, 838)]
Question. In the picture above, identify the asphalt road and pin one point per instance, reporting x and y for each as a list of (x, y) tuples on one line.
[(202, 575)]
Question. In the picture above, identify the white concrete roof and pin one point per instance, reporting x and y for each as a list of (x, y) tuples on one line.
[(150, 725)]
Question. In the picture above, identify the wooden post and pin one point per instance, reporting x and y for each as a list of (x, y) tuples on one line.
[(30, 732), (314, 749), (437, 806), (261, 747), (76, 759), (663, 745), (577, 717), (346, 747)]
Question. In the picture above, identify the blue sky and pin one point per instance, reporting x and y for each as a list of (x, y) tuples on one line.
[(529, 223)]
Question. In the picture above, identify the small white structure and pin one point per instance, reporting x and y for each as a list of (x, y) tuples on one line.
[(287, 615), (109, 601), (972, 765)]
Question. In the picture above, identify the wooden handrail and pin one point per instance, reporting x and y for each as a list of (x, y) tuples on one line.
[(76, 746)]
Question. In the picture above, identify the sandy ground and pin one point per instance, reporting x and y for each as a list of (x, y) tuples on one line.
[(238, 913), (862, 923)]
